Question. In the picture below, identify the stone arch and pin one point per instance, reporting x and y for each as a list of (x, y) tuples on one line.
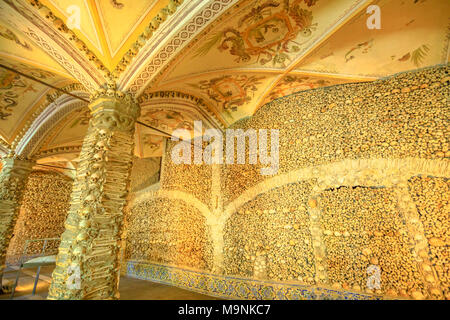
[(176, 195), (46, 121), (367, 172)]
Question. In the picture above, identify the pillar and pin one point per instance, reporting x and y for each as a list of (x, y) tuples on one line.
[(88, 264), (13, 179)]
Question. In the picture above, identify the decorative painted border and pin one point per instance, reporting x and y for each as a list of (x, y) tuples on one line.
[(58, 150), (232, 287)]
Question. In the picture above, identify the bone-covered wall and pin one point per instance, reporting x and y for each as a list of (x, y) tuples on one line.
[(170, 232), (42, 214), (361, 194)]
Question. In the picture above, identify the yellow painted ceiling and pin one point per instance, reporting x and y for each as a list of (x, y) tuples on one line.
[(252, 53), (108, 27), (17, 47)]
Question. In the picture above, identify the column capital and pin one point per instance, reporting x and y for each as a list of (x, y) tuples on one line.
[(114, 110)]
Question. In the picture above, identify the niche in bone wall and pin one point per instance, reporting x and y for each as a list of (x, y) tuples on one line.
[(170, 232), (403, 116), (431, 196), (190, 178), (363, 227), (145, 172), (269, 237), (42, 215)]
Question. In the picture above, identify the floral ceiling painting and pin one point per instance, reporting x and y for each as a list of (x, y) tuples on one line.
[(413, 34), (261, 35), (230, 95), (230, 92), (149, 144), (167, 120), (70, 131), (15, 46), (13, 87), (7, 34)]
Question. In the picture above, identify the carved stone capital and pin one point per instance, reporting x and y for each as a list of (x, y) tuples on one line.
[(114, 111)]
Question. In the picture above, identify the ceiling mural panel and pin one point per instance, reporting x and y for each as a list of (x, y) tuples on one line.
[(148, 144), (14, 45), (19, 96), (299, 82), (413, 34)]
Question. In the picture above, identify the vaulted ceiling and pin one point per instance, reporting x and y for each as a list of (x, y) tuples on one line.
[(211, 60)]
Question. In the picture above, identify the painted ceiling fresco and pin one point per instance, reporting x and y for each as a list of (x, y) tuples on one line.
[(232, 55), (70, 132), (294, 45), (14, 45), (231, 94), (107, 27), (20, 96)]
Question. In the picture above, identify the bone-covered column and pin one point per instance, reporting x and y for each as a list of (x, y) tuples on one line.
[(13, 179), (87, 265)]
